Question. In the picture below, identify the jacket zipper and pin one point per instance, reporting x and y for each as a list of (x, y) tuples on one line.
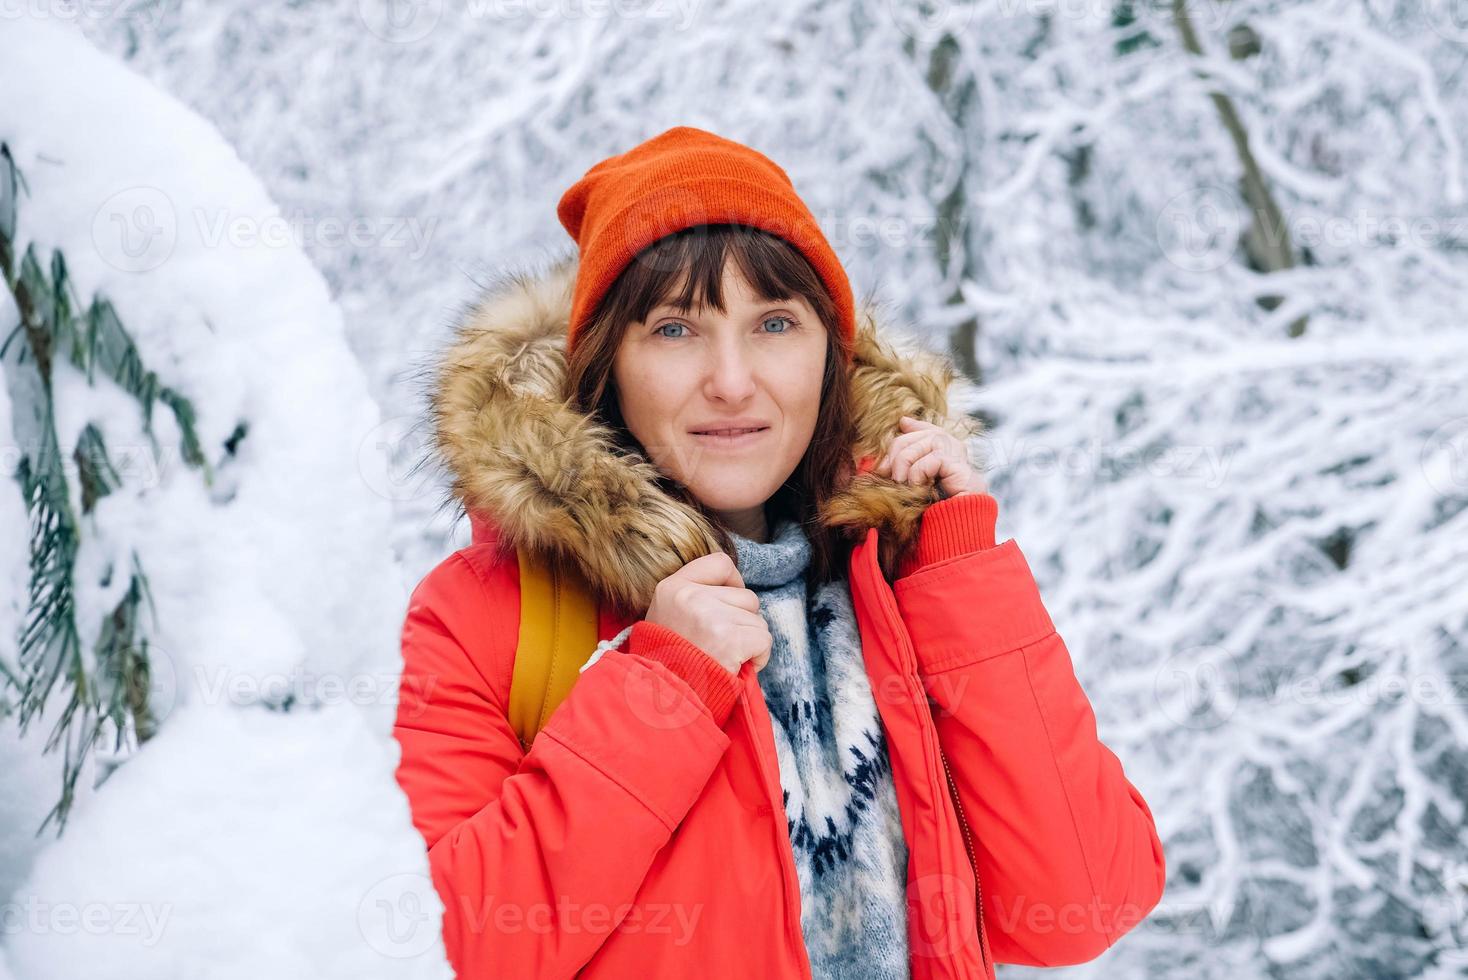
[(973, 860), (888, 605)]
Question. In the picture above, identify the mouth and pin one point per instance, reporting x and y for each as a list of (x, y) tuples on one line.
[(730, 438)]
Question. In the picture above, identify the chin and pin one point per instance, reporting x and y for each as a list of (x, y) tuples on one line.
[(720, 497)]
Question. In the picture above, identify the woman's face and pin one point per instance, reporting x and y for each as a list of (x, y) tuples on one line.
[(758, 365)]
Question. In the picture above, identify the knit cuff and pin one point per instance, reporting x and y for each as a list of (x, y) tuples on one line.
[(952, 527), (715, 685)]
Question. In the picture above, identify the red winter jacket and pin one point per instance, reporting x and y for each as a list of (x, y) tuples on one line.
[(643, 834)]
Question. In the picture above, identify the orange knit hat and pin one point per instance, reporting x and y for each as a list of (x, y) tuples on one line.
[(679, 179)]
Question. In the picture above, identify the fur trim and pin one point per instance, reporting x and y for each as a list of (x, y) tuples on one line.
[(553, 482)]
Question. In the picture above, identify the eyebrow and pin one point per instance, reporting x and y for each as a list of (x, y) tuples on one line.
[(759, 301)]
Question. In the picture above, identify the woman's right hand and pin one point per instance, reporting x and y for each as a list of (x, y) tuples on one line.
[(707, 604)]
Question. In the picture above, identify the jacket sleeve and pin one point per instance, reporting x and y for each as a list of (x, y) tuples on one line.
[(518, 840), (1069, 856)]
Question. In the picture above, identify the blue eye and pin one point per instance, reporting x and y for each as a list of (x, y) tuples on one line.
[(789, 326)]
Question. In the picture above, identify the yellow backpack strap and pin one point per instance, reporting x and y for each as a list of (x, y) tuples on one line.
[(558, 627)]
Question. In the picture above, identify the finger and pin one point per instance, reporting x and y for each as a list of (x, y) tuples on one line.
[(905, 437), (884, 465), (738, 597), (926, 469), (752, 633), (914, 426), (902, 448), (884, 468), (904, 458), (766, 648), (715, 568)]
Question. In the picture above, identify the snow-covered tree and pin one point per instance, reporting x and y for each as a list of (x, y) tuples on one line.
[(107, 679), (259, 831)]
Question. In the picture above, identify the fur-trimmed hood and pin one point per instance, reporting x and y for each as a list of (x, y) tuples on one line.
[(553, 481)]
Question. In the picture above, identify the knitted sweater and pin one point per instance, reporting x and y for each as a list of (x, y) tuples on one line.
[(840, 805)]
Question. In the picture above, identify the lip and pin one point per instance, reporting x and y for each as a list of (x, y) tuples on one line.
[(739, 422), (731, 442)]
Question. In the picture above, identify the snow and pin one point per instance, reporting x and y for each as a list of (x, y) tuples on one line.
[(252, 836), (239, 844)]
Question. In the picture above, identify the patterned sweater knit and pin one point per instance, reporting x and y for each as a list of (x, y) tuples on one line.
[(840, 805)]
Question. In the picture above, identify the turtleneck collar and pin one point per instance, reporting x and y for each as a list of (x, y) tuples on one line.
[(773, 563)]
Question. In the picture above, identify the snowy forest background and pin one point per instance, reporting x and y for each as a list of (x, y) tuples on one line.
[(1209, 262)]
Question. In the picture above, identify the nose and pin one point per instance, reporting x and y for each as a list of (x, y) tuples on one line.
[(730, 373)]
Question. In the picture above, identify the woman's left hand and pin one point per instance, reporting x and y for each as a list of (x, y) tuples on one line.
[(926, 453)]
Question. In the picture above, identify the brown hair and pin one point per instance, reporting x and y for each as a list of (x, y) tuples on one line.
[(775, 270)]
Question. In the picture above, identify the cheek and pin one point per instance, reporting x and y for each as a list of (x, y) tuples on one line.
[(646, 402), (805, 392)]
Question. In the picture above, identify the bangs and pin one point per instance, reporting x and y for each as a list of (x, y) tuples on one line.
[(685, 271)]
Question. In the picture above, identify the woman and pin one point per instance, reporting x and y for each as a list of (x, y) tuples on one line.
[(831, 729)]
